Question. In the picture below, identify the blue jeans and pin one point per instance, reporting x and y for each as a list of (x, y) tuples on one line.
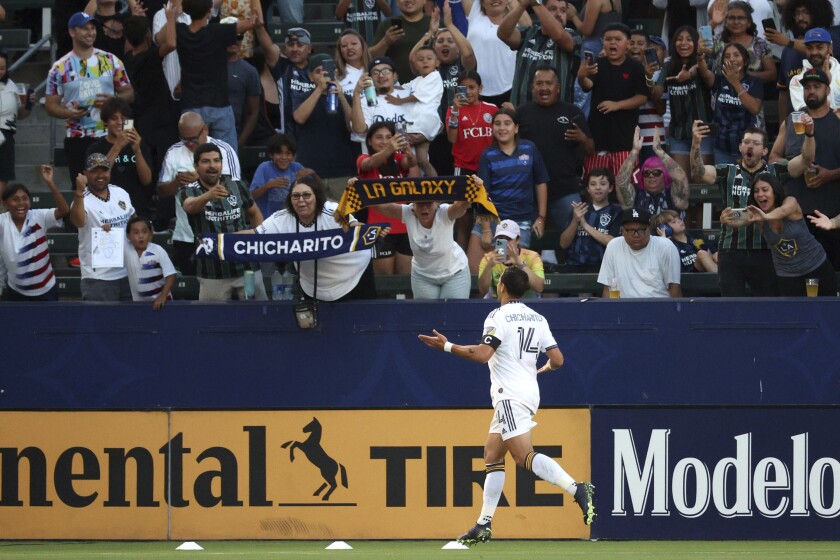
[(456, 286), (220, 122), (291, 11), (560, 211)]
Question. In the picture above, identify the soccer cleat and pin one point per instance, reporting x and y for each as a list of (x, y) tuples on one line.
[(583, 497), (478, 534)]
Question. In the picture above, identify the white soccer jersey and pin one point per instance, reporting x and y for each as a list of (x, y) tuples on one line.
[(115, 212), (147, 273), (519, 334), (26, 252)]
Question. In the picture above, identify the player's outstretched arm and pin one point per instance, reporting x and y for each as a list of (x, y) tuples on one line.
[(480, 353), (555, 361)]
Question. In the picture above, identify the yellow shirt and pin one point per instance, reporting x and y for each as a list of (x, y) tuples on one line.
[(531, 259)]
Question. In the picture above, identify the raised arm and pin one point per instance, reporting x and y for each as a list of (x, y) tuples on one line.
[(798, 165), (679, 180), (507, 31), (466, 50), (624, 190), (272, 51), (699, 170), (480, 353), (61, 206)]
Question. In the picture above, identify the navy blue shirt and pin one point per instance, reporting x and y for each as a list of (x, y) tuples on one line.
[(730, 113), (585, 250), (510, 179)]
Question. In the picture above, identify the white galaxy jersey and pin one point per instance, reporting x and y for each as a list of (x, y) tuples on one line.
[(147, 273), (26, 252), (519, 334), (115, 211)]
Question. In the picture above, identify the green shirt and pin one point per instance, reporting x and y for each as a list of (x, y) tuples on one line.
[(400, 50), (537, 49)]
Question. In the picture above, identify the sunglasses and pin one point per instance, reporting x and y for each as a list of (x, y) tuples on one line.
[(652, 172)]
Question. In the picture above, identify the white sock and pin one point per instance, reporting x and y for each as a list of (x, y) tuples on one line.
[(494, 483), (550, 471)]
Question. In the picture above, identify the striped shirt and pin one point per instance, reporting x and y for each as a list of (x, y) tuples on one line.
[(147, 273), (171, 64), (510, 179), (734, 183), (26, 253), (537, 49)]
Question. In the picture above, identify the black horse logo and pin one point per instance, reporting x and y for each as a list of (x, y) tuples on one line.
[(328, 466)]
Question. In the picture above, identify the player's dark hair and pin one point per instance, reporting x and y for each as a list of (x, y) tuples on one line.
[(314, 182), (12, 188), (205, 148), (138, 219), (516, 281), (774, 182), (279, 141)]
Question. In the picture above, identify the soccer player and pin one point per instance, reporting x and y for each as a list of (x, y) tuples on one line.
[(514, 336)]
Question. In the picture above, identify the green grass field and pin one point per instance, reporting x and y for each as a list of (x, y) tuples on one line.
[(407, 550)]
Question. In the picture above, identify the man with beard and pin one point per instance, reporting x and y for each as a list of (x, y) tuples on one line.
[(98, 204), (820, 189), (821, 56), (383, 75), (798, 16), (217, 205), (743, 257), (547, 41), (561, 134)]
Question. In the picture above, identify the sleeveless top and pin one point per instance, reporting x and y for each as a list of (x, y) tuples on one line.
[(604, 19), (795, 251)]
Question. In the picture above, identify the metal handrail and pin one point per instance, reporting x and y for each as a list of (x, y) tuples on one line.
[(30, 53)]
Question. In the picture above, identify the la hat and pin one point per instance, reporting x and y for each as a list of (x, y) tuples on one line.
[(507, 228), (298, 34), (97, 160), (381, 60), (817, 75), (79, 19), (817, 35), (635, 215)]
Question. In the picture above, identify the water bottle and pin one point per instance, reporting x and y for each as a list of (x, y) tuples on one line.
[(370, 95), (332, 100), (278, 289), (249, 284), (287, 281)]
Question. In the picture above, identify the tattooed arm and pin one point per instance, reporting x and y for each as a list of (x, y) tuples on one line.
[(700, 171), (624, 190), (679, 180)]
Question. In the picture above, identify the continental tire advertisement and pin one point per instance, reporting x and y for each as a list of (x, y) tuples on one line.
[(356, 474)]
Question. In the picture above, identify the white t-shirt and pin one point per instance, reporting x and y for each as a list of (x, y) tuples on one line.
[(641, 274), (495, 60), (337, 275), (179, 158), (115, 211), (171, 64), (436, 254), (147, 273), (25, 252), (385, 111), (423, 115), (524, 335), (9, 105)]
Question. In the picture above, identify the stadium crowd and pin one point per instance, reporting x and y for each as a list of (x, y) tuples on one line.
[(585, 133)]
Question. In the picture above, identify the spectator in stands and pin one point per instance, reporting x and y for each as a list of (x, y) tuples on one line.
[(799, 16), (11, 109), (594, 223), (98, 204), (743, 256), (650, 114), (290, 69), (323, 136), (62, 11), (348, 276), (270, 110), (640, 265), (737, 98), (273, 178), (618, 90), (240, 10), (515, 175), (78, 84), (598, 15), (455, 55), (457, 14), (438, 266), (244, 91), (215, 204), (797, 256), (494, 263), (202, 52), (561, 133), (109, 35), (425, 93), (741, 28), (546, 42), (27, 272), (396, 40), (362, 16), (128, 155), (687, 84), (178, 170), (659, 184), (150, 271), (171, 64), (695, 255), (351, 60), (819, 190), (389, 155), (820, 55), (382, 74), (496, 61)]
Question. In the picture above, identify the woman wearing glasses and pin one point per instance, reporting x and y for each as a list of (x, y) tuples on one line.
[(338, 278), (659, 184), (740, 27)]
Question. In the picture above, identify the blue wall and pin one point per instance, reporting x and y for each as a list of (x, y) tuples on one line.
[(711, 351)]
